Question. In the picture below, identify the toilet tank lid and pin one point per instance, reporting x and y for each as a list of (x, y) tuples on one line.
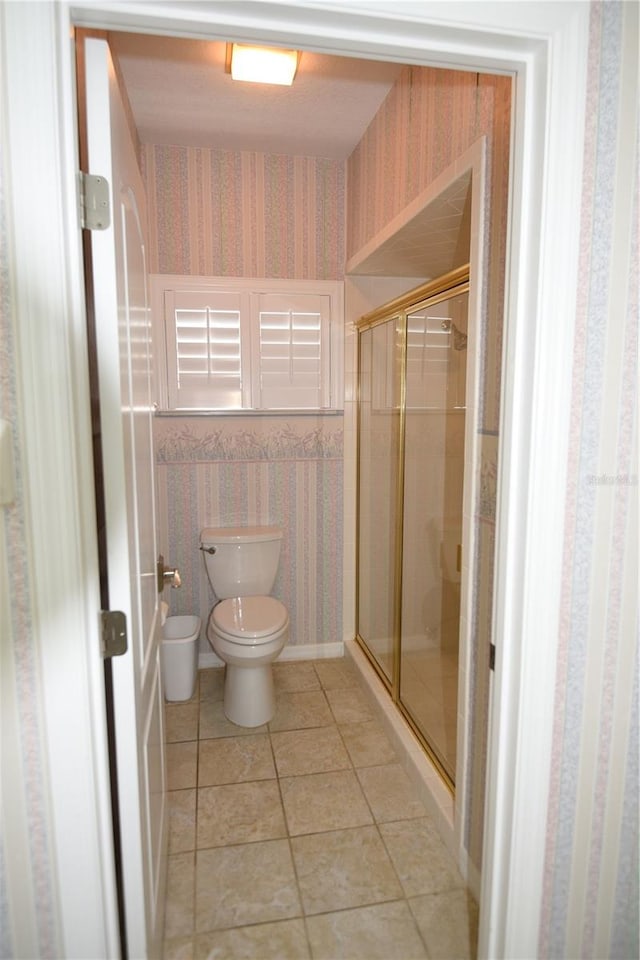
[(237, 534)]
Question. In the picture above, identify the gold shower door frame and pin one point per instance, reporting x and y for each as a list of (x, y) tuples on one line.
[(443, 288)]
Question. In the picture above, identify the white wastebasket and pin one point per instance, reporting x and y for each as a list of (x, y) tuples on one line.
[(180, 657)]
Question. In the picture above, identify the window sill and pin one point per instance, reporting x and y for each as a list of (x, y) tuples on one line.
[(280, 412)]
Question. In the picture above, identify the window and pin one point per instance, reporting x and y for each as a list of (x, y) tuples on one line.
[(247, 344)]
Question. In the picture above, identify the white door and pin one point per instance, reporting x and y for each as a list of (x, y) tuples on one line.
[(123, 345)]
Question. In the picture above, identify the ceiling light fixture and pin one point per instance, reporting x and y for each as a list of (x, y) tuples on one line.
[(261, 64)]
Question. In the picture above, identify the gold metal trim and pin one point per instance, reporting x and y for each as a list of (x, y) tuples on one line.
[(443, 288), (384, 679), (426, 746), (413, 297), (401, 359)]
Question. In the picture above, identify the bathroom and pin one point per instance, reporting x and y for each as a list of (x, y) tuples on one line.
[(553, 841), (557, 672), (299, 471)]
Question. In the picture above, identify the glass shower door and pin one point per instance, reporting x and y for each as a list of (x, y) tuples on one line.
[(432, 520), (378, 471)]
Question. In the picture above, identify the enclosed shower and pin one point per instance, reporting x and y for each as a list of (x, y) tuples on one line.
[(411, 466)]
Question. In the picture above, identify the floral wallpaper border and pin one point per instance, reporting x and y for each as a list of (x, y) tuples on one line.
[(179, 440)]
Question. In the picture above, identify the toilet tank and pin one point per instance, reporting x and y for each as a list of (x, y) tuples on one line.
[(241, 561)]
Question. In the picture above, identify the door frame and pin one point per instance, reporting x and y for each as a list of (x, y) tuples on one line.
[(545, 47)]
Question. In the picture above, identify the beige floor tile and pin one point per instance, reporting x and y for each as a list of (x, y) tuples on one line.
[(367, 744), (336, 674), (375, 878), (182, 765), (324, 801), (316, 750), (181, 721), (390, 793), (211, 685), (343, 868), (178, 918), (235, 759), (385, 931), (239, 813), (349, 705), (213, 722), (448, 923), (250, 883), (295, 711), (282, 940), (182, 820), (294, 676), (421, 859)]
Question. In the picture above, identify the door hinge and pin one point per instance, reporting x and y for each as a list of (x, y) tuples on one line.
[(492, 656), (95, 210), (113, 633)]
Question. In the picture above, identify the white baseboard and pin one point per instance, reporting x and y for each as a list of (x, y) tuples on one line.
[(302, 651)]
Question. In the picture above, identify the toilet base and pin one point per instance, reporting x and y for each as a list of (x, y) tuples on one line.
[(249, 698)]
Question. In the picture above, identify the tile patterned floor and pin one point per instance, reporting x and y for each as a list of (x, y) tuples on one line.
[(303, 838)]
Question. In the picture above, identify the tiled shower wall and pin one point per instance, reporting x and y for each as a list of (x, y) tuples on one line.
[(428, 120)]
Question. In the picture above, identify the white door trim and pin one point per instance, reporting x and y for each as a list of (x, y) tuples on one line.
[(44, 252), (546, 46)]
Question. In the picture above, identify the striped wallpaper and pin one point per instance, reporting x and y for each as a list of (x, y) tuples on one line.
[(429, 118), (258, 470), (223, 214), (591, 894)]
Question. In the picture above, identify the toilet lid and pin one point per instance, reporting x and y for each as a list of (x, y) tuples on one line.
[(248, 619)]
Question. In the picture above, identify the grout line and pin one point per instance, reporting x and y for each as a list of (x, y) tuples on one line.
[(351, 767)]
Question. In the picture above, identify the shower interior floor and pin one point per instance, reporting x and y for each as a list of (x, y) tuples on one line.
[(303, 838)]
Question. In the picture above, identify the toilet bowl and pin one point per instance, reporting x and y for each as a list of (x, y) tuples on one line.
[(248, 633), (247, 628)]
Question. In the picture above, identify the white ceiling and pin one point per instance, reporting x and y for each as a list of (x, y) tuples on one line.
[(180, 94)]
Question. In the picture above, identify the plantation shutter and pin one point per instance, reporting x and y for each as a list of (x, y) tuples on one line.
[(205, 350), (291, 348)]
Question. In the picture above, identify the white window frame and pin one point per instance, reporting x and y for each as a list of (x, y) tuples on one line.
[(166, 290)]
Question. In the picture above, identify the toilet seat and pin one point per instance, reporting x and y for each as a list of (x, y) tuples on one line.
[(249, 620)]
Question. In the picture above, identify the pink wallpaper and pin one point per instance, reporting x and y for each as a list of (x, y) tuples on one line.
[(430, 118), (264, 470), (224, 214)]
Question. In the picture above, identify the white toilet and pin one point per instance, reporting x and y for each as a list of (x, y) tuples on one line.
[(247, 628)]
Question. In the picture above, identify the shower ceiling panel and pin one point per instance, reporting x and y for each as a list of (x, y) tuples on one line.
[(431, 244)]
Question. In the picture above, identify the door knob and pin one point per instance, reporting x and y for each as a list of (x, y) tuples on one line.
[(166, 576)]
